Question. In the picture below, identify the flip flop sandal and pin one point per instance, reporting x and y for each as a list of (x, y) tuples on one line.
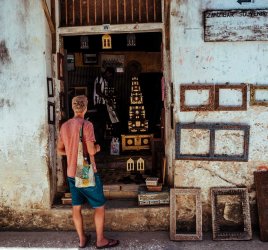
[(111, 243), (86, 242)]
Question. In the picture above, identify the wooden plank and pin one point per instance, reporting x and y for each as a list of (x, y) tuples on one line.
[(48, 17), (236, 25), (73, 9), (261, 183), (88, 12)]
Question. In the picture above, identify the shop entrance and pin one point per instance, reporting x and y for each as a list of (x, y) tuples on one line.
[(133, 148)]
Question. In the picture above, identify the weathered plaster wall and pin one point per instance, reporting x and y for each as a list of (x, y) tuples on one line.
[(194, 61), (24, 175)]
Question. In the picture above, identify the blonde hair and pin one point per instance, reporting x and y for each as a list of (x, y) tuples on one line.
[(79, 103)]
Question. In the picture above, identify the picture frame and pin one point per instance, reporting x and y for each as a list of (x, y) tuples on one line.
[(60, 64), (212, 154), (70, 62), (174, 214), (62, 101), (50, 87), (90, 59), (253, 95), (197, 88), (80, 91), (241, 88), (222, 229), (51, 112)]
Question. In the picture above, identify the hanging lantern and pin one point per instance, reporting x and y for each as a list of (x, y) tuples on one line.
[(131, 40), (84, 42), (106, 41)]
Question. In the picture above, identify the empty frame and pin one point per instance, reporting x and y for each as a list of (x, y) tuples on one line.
[(218, 142), (185, 214), (230, 213), (221, 97), (259, 95)]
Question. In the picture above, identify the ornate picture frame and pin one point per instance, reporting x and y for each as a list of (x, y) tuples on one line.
[(220, 215), (174, 214)]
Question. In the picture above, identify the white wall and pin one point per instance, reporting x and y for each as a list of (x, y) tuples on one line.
[(24, 175), (199, 62)]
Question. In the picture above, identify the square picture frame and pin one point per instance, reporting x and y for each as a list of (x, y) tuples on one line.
[(50, 87), (51, 112), (60, 66)]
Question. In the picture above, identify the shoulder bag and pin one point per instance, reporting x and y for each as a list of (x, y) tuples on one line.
[(84, 176)]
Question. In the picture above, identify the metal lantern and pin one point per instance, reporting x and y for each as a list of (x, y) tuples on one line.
[(131, 40), (106, 41)]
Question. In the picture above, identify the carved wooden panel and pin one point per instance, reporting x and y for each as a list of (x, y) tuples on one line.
[(215, 147), (262, 91), (230, 214), (176, 211)]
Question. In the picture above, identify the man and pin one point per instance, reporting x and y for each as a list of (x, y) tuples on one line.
[(103, 101), (68, 145)]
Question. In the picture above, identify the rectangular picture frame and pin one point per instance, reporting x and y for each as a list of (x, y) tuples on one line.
[(187, 87), (253, 89), (218, 234), (50, 87), (51, 112), (60, 64), (70, 62), (174, 192), (241, 87), (212, 128), (90, 59)]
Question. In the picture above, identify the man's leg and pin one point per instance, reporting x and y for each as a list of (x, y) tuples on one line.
[(99, 217), (78, 223)]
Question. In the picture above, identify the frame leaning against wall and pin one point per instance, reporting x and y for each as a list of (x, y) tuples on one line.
[(217, 213), (174, 192)]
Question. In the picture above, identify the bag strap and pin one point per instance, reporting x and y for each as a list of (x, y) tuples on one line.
[(81, 140), (81, 133)]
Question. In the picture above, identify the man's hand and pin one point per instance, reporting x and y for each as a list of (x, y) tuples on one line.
[(97, 148)]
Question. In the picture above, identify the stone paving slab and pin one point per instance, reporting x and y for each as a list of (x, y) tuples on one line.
[(129, 240)]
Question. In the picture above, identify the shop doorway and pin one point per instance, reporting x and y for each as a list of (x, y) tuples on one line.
[(135, 150)]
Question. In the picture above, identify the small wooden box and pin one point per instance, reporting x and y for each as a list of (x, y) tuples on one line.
[(136, 142), (153, 198)]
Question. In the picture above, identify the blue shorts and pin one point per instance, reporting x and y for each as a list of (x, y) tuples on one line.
[(93, 195)]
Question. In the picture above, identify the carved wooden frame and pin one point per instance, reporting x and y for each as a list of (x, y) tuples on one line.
[(217, 234), (208, 107), (185, 191), (211, 156), (253, 100), (242, 87)]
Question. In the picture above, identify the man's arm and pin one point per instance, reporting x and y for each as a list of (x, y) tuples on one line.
[(92, 150), (60, 148)]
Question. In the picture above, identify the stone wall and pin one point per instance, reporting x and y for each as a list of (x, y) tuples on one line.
[(24, 67), (194, 61)]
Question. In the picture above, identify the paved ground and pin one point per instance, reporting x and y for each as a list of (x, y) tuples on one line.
[(129, 240)]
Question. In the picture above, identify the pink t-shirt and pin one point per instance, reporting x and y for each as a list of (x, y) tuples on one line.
[(69, 135)]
